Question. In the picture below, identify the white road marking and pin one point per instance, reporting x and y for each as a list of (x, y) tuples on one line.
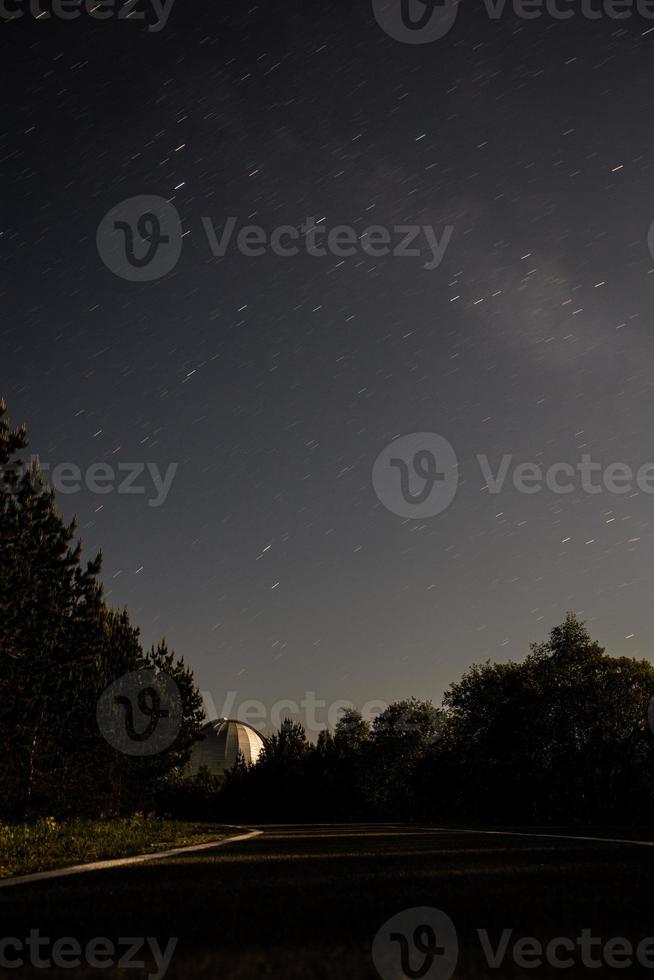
[(76, 869), (515, 833)]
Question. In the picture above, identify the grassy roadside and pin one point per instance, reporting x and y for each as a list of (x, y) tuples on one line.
[(48, 844)]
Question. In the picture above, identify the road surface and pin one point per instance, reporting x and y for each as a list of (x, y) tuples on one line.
[(306, 902)]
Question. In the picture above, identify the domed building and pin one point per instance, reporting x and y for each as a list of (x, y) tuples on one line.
[(223, 739)]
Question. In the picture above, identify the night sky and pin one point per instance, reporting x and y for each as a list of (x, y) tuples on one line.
[(275, 382)]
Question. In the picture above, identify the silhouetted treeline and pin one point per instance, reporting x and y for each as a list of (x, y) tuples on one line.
[(60, 647), (562, 737)]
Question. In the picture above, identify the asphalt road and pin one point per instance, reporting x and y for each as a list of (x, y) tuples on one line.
[(305, 903)]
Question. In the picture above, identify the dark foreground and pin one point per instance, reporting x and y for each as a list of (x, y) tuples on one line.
[(305, 903)]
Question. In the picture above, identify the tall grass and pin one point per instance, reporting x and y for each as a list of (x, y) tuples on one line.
[(46, 843)]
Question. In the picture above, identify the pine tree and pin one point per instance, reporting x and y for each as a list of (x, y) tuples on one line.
[(60, 648), (50, 610)]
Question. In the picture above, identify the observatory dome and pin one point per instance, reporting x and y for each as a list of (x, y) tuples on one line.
[(222, 742)]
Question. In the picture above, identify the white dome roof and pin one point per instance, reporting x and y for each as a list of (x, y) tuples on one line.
[(222, 742)]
